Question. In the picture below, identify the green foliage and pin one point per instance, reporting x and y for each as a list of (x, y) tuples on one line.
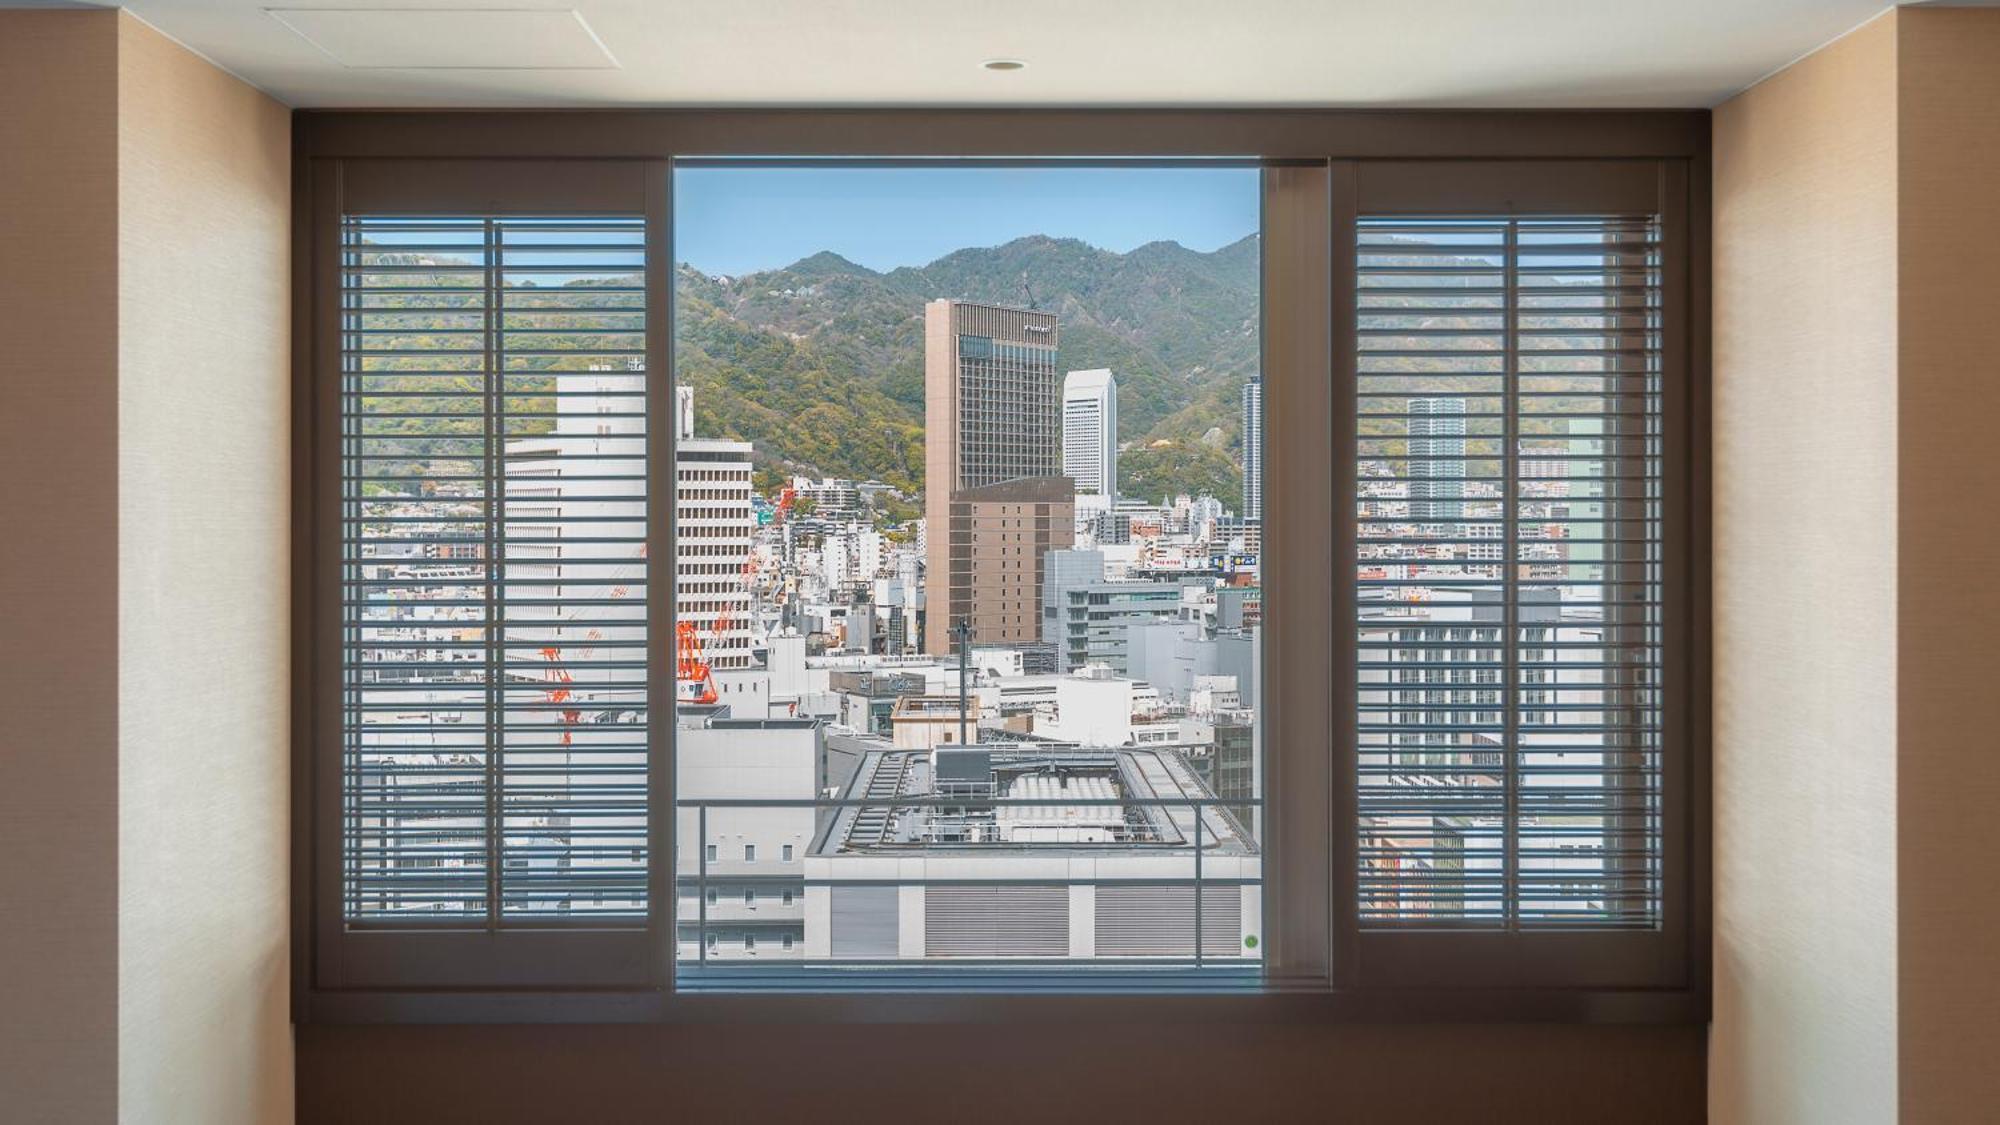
[(1164, 469), (821, 363)]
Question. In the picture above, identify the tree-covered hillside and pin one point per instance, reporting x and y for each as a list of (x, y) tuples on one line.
[(821, 363)]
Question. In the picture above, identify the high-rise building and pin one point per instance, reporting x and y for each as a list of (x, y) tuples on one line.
[(994, 496), (1090, 432), (1000, 538), (1436, 446), (1253, 449), (715, 529)]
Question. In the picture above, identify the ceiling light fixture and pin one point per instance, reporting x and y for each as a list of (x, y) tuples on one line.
[(1004, 64)]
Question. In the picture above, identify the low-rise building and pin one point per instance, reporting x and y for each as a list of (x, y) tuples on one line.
[(1031, 852)]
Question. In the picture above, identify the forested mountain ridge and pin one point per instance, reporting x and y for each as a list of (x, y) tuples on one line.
[(820, 363)]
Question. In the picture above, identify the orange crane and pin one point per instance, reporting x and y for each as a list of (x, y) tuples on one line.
[(560, 694), (559, 670), (690, 668), (695, 680)]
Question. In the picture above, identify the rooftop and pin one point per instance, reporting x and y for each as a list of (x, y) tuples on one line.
[(1053, 798)]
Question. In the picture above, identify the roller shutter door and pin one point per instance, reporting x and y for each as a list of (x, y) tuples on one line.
[(1152, 921), (864, 921), (996, 921)]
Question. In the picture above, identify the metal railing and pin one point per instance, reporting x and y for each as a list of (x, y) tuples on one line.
[(1210, 825)]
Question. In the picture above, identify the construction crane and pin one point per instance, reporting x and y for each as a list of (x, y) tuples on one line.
[(559, 677), (695, 679), (560, 693), (691, 675)]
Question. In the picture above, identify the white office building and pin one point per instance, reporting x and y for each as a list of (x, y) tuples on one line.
[(715, 531), (741, 868), (1090, 432)]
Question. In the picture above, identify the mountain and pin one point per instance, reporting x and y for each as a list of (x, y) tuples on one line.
[(820, 363)]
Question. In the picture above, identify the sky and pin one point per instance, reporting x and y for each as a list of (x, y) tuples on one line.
[(736, 219)]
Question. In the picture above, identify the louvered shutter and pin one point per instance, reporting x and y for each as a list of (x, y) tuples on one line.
[(1509, 391), (493, 571)]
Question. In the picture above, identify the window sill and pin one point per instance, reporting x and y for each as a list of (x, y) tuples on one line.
[(967, 998)]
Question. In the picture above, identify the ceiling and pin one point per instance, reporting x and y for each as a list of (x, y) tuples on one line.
[(1415, 53)]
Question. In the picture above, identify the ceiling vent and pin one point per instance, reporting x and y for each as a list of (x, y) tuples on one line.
[(450, 38)]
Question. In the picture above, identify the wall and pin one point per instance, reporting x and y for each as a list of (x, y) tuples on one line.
[(58, 565), (204, 428), (1948, 600), (144, 442), (1805, 558), (1857, 370), (1223, 1073), (1805, 591)]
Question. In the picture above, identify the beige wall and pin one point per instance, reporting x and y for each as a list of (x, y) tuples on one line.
[(204, 428), (58, 565), (1805, 592), (1857, 621), (144, 442), (1948, 583)]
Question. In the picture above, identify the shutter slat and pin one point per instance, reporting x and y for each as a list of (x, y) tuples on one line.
[(1508, 581), (493, 575)]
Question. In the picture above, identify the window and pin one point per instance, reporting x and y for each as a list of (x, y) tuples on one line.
[(1486, 749), (835, 554)]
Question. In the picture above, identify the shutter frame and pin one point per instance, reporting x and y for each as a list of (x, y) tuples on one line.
[(630, 952), (1671, 954)]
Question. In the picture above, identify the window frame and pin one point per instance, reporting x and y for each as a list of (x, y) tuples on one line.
[(1319, 168)]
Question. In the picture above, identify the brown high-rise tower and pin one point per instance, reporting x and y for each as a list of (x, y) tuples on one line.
[(994, 497)]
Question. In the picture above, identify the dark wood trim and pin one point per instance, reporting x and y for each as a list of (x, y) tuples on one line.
[(1263, 134), (662, 493), (1399, 960), (1307, 1005), (1506, 187), (337, 956), (1345, 844), (1700, 886), (1298, 723), (421, 161)]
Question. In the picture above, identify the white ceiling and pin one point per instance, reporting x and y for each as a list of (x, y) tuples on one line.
[(1520, 53)]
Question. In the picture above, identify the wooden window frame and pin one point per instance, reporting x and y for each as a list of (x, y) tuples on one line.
[(1322, 169)]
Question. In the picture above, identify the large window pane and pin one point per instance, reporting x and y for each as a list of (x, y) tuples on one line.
[(969, 484)]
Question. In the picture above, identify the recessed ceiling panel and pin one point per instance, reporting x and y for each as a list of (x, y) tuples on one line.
[(1406, 54), (450, 38)]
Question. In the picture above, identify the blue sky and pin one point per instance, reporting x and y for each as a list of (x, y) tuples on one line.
[(737, 220)]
